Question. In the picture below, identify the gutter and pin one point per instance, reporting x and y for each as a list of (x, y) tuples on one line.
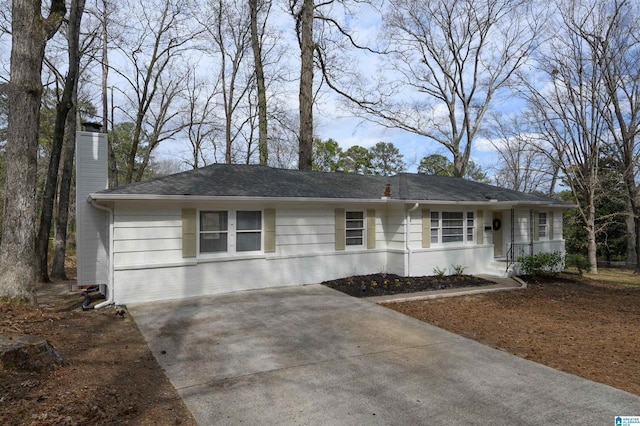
[(407, 232), (110, 290), (384, 200)]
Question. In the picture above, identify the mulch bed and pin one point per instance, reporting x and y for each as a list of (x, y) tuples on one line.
[(389, 284), (573, 324)]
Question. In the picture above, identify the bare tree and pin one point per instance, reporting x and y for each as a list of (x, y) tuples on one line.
[(199, 118), (64, 195), (257, 31), (303, 11), (156, 79), (451, 59), (567, 112), (64, 107), (226, 24), (320, 37), (106, 25), (523, 167), (30, 32), (283, 138), (614, 38)]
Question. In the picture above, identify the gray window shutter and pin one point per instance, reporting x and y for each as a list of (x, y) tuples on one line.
[(269, 230), (340, 229), (189, 233), (536, 226), (371, 228), (426, 228), (550, 225)]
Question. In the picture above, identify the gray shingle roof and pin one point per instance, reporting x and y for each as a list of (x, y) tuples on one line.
[(238, 180)]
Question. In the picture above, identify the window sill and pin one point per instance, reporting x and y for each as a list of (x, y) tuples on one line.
[(230, 257)]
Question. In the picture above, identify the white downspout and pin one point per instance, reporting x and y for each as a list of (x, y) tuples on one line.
[(110, 289), (406, 237)]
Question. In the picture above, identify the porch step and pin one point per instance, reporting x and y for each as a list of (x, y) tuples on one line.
[(499, 268)]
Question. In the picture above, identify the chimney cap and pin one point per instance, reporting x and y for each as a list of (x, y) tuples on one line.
[(91, 127)]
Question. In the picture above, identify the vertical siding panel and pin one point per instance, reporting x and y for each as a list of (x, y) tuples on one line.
[(371, 228), (189, 246), (426, 228), (269, 230), (340, 229), (480, 227)]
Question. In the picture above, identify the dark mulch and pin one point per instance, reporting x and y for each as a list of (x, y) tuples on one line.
[(387, 284)]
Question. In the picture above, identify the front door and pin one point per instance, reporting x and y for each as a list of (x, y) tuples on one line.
[(498, 243)]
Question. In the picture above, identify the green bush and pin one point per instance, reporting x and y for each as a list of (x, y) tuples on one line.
[(541, 263), (577, 261)]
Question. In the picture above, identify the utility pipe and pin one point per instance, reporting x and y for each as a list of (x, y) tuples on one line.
[(110, 290)]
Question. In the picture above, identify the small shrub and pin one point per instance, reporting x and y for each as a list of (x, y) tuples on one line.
[(439, 272), (540, 264), (458, 269), (577, 261)]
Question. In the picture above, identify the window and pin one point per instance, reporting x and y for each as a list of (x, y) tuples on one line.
[(470, 227), (452, 227), (214, 231), (217, 231), (249, 230), (435, 227), (354, 228), (542, 225)]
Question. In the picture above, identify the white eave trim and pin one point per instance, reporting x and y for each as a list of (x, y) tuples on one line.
[(158, 197)]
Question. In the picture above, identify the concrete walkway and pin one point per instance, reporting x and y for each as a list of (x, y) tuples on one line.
[(311, 355)]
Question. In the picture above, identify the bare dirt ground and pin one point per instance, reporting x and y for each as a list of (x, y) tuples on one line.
[(109, 376), (585, 327)]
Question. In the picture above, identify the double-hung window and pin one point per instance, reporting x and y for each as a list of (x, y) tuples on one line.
[(542, 226), (223, 231), (248, 230), (470, 227), (354, 228), (452, 227), (214, 231)]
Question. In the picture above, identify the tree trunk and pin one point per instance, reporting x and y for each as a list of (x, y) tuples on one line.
[(592, 253), (305, 141), (631, 237), (62, 111), (64, 196), (633, 224), (30, 33), (263, 148), (114, 175), (113, 168)]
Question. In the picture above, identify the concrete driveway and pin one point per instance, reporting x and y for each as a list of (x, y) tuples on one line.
[(310, 355)]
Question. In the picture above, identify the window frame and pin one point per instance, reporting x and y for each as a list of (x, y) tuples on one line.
[(543, 228), (232, 232), (224, 232), (467, 227), (362, 229)]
